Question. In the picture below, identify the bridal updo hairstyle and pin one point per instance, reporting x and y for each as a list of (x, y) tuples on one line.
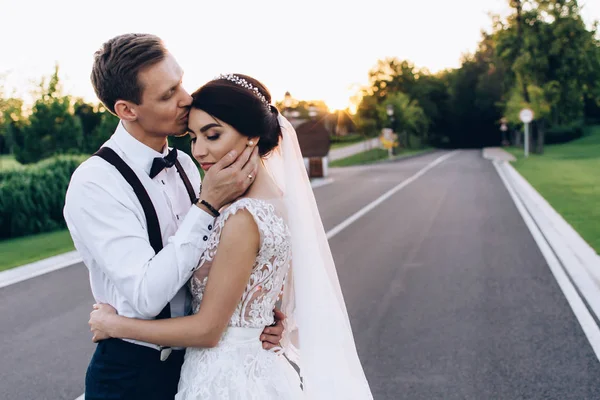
[(241, 108)]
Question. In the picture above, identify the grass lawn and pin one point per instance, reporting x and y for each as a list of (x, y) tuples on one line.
[(366, 157), (370, 156), (349, 140), (568, 176), (23, 250), (8, 162)]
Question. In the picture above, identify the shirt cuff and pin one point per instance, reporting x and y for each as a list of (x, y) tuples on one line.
[(196, 224)]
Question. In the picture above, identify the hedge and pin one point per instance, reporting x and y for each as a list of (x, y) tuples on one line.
[(32, 198), (564, 133)]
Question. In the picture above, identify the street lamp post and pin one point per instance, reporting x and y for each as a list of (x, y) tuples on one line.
[(312, 111), (390, 112), (503, 128)]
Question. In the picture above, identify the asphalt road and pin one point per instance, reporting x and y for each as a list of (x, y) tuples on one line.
[(448, 294)]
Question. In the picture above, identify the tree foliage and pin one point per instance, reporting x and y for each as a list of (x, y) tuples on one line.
[(52, 127), (11, 119), (408, 118), (541, 56)]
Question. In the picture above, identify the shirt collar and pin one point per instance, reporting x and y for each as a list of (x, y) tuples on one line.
[(137, 152)]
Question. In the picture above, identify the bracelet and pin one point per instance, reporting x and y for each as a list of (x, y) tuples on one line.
[(210, 208)]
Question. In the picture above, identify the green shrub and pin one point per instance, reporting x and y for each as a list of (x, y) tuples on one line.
[(32, 198), (564, 133)]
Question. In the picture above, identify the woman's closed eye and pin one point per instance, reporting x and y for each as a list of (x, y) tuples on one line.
[(211, 138)]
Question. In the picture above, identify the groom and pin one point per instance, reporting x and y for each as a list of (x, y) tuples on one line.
[(138, 218)]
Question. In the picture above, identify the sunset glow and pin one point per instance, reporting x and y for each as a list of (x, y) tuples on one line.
[(314, 49)]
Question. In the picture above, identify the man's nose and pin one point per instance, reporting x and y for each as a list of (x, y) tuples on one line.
[(186, 99)]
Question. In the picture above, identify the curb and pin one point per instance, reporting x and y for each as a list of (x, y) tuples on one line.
[(41, 267), (570, 272), (28, 271), (497, 153), (317, 183), (578, 258)]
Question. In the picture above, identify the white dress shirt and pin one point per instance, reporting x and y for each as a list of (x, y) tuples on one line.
[(109, 230)]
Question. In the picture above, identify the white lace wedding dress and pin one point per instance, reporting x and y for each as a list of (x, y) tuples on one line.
[(238, 367)]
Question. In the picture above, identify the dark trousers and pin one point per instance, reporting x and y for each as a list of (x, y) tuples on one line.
[(126, 371)]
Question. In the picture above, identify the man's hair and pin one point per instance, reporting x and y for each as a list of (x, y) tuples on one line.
[(117, 65)]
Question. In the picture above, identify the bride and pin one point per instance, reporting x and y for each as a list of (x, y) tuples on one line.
[(268, 246)]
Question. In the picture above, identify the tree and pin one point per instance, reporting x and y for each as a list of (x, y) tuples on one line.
[(52, 127), (431, 92), (11, 120), (367, 115), (541, 56), (392, 76), (409, 117), (538, 103), (522, 55), (475, 91), (102, 131), (547, 45), (90, 118)]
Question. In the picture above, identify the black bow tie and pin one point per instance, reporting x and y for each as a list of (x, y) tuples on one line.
[(161, 163)]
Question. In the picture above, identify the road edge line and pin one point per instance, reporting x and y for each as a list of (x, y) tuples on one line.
[(580, 310)]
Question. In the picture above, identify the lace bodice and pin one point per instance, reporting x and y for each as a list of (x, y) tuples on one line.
[(255, 309)]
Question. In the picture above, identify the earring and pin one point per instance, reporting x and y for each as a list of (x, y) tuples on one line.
[(251, 143)]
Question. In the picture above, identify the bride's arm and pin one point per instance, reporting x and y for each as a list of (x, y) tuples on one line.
[(227, 281)]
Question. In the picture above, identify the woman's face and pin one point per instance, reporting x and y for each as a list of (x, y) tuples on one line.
[(212, 138)]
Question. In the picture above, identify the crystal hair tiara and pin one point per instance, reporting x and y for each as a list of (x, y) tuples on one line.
[(245, 84)]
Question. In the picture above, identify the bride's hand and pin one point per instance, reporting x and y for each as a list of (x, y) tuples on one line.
[(100, 321)]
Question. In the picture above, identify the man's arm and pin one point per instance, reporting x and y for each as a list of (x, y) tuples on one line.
[(110, 229)]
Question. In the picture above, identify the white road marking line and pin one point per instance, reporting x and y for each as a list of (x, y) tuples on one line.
[(354, 217)]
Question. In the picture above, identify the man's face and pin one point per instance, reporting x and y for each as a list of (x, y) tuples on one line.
[(165, 103)]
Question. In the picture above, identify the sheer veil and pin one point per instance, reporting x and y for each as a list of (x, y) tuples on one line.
[(318, 336)]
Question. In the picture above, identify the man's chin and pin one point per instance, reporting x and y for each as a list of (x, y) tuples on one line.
[(180, 132)]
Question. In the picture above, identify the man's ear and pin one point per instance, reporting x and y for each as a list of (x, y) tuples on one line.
[(125, 110)]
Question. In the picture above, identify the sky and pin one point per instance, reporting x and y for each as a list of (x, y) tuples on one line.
[(315, 49)]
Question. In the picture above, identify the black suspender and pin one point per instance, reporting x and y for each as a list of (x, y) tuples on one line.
[(186, 182), (149, 211), (154, 234)]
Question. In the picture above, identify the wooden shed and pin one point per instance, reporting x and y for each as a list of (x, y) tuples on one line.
[(315, 142)]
